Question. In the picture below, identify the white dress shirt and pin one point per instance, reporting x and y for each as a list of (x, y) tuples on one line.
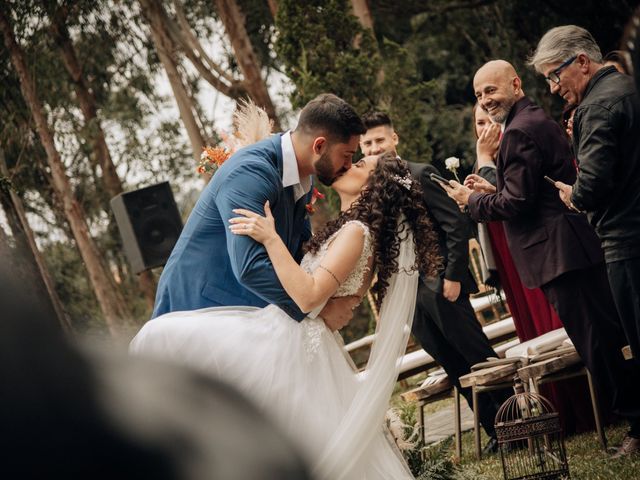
[(290, 173)]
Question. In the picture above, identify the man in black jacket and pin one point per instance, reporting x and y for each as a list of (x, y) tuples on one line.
[(606, 130), (445, 323)]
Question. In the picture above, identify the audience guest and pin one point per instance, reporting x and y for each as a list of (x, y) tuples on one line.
[(618, 59), (553, 247), (568, 112), (445, 323), (531, 312), (605, 137), (606, 129)]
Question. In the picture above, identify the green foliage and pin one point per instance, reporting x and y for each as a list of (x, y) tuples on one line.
[(73, 286), (317, 44), (417, 65), (260, 28), (408, 100), (113, 50)]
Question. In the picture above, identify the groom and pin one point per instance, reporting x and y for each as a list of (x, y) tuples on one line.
[(211, 267)]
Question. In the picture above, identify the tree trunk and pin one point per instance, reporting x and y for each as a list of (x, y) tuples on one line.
[(184, 38), (22, 229), (362, 11), (165, 48), (111, 302), (273, 6), (234, 23), (87, 102)]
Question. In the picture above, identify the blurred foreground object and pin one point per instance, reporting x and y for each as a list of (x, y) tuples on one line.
[(69, 413)]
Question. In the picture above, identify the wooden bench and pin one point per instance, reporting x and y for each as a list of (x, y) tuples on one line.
[(499, 374), (419, 360), (563, 364)]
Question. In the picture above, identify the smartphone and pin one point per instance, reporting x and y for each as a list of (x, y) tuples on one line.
[(550, 180), (437, 178)]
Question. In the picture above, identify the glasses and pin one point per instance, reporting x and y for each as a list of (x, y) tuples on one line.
[(555, 75)]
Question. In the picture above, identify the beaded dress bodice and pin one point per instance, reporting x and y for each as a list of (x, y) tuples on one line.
[(314, 328), (355, 279)]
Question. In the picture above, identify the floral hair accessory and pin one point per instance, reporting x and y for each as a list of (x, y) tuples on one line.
[(452, 164), (404, 181), (212, 158), (315, 195)]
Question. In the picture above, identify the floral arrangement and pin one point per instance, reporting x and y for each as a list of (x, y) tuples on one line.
[(315, 195), (452, 164), (211, 158)]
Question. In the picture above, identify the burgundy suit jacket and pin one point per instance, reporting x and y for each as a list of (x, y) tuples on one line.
[(545, 238)]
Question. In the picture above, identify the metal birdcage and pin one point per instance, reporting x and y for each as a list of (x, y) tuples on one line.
[(530, 438)]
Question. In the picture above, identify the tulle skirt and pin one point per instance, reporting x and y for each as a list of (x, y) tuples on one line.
[(297, 373)]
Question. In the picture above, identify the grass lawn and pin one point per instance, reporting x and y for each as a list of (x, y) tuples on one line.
[(587, 461)]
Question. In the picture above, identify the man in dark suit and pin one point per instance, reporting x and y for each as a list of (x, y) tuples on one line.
[(553, 247), (445, 323)]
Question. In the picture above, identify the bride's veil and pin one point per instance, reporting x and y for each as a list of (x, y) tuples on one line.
[(365, 417)]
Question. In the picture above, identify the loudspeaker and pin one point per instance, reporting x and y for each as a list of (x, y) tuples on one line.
[(149, 223)]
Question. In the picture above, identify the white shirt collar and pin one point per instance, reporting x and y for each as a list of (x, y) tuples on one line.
[(290, 173)]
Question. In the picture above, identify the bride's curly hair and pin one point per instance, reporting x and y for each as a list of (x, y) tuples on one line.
[(383, 200)]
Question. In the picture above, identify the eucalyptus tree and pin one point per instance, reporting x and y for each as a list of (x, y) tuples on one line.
[(111, 301)]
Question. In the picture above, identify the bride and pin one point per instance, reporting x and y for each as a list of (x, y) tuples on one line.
[(299, 373)]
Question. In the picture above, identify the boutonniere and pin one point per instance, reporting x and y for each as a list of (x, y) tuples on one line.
[(315, 195), (452, 164)]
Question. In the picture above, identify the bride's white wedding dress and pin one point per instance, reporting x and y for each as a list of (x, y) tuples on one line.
[(298, 373)]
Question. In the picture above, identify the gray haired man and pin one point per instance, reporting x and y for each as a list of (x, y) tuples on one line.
[(606, 130)]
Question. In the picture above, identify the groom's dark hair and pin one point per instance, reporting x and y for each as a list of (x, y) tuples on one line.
[(329, 115)]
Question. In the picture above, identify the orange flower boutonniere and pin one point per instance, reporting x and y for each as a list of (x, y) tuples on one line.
[(315, 195)]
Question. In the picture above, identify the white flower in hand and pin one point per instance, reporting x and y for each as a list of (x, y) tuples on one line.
[(452, 164)]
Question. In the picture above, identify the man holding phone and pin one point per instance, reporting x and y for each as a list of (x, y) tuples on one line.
[(445, 323), (605, 136)]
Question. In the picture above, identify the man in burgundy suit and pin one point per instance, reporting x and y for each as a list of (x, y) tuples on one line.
[(553, 247)]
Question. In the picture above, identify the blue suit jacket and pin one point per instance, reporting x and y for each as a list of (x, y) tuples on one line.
[(210, 266)]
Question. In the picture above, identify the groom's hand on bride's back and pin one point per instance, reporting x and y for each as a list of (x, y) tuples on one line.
[(338, 311)]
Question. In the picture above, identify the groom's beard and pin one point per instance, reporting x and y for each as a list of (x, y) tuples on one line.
[(324, 170)]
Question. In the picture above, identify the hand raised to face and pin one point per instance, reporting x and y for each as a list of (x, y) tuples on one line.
[(488, 144)]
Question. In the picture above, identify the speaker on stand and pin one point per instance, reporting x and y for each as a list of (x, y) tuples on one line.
[(149, 223)]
